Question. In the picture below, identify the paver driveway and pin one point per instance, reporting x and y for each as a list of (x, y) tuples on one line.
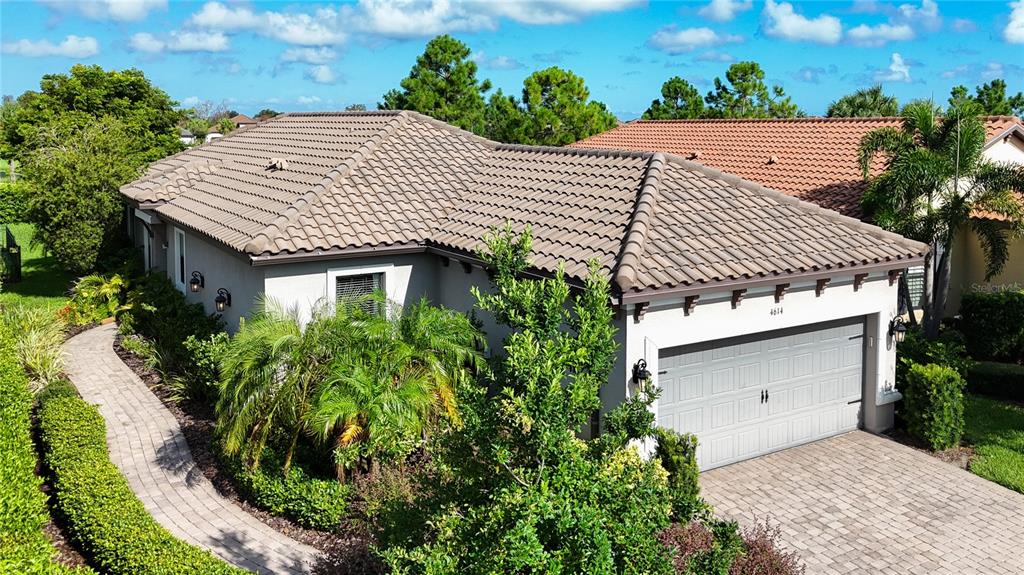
[(859, 503)]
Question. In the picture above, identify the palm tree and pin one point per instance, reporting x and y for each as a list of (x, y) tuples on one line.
[(935, 178), (401, 374), (864, 103), (272, 369)]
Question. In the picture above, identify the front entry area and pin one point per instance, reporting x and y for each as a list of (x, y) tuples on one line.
[(754, 394)]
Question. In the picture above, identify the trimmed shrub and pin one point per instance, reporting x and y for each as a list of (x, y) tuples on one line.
[(993, 323), (103, 514), (933, 405), (764, 554), (24, 547), (1000, 380), (678, 455), (200, 373), (309, 501), (948, 350)]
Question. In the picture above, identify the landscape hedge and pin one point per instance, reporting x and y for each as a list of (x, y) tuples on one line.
[(933, 405), (999, 380), (102, 513), (24, 548), (993, 324)]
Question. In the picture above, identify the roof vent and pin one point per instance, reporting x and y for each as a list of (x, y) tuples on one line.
[(773, 159), (277, 164)]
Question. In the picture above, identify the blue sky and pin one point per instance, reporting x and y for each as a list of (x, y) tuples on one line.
[(304, 56)]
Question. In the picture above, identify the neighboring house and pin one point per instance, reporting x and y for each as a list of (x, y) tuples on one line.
[(213, 134), (243, 121), (186, 137), (764, 319), (815, 159)]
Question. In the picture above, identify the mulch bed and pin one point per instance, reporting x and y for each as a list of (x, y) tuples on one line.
[(346, 552), (960, 456)]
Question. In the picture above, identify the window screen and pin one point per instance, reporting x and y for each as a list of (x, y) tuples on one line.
[(354, 287), (915, 283)]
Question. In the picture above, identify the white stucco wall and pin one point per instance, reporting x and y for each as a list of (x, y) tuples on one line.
[(664, 325), (407, 278), (1009, 150)]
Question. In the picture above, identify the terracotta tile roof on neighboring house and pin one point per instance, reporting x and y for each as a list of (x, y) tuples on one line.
[(242, 119), (316, 183), (814, 159)]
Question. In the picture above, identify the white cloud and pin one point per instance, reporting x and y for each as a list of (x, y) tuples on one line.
[(321, 55), (306, 100), (963, 25), (190, 101), (71, 47), (1014, 31), (781, 21), (880, 34), (325, 26), (725, 10), (118, 10), (321, 74), (179, 41), (415, 18), (898, 70), (673, 40), (497, 62), (927, 16), (713, 56), (549, 11)]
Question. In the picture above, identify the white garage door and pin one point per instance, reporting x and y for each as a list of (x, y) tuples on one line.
[(751, 395)]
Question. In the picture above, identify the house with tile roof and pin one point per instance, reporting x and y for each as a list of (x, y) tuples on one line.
[(815, 159), (764, 318)]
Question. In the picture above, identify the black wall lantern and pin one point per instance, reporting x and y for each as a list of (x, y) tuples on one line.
[(640, 373), (197, 282), (223, 299), (897, 329)]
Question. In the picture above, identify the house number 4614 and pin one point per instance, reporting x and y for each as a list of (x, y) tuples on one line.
[(776, 310)]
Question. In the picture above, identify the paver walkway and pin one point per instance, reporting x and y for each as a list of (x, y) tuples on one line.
[(859, 503), (146, 443)]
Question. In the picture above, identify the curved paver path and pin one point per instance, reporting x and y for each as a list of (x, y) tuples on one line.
[(859, 503), (148, 446)]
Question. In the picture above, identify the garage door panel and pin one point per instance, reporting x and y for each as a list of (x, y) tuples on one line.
[(811, 376)]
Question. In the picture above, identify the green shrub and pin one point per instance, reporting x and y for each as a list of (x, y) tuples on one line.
[(678, 455), (309, 501), (95, 297), (57, 388), (156, 310), (703, 548), (933, 405), (200, 373), (102, 513), (948, 350), (39, 341), (993, 323), (24, 548), (1001, 380), (13, 202)]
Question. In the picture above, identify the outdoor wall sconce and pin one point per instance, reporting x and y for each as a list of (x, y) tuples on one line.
[(197, 282), (897, 329), (223, 299), (641, 375)]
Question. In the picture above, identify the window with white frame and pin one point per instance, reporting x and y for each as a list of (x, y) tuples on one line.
[(179, 259), (357, 287)]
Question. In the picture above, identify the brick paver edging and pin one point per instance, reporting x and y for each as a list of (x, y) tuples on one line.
[(147, 445)]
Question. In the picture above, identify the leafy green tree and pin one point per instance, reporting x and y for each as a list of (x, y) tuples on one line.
[(355, 108), (935, 177), (864, 103), (225, 126), (744, 94), (679, 100), (266, 113), (399, 375), (73, 177), (555, 110), (515, 490), (198, 126), (443, 84), (89, 93), (991, 97)]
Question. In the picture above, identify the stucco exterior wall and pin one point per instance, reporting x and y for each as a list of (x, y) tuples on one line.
[(407, 278), (454, 293), (221, 268), (664, 325)]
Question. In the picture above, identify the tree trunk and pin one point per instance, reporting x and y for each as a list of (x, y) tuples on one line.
[(906, 304), (291, 451), (929, 277), (940, 290)]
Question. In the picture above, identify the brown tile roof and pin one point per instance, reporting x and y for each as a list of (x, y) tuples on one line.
[(315, 183), (814, 159), (243, 119)]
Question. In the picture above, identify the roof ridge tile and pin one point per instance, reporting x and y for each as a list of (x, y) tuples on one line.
[(636, 234), (261, 241)]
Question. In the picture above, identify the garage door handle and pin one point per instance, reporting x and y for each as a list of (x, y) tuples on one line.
[(766, 396), (762, 396), (663, 372)]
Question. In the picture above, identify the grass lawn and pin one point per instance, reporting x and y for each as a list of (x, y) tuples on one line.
[(43, 283), (996, 429)]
